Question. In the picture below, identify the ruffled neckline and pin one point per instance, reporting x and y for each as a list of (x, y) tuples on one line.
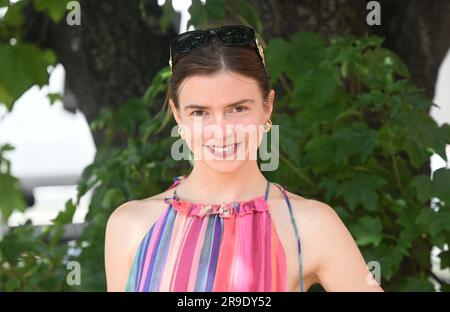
[(224, 210)]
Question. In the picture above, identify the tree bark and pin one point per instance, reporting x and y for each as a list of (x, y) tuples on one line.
[(418, 31)]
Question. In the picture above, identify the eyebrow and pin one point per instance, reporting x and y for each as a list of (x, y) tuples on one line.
[(196, 106)]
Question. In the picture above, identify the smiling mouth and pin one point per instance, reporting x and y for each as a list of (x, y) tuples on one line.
[(221, 151)]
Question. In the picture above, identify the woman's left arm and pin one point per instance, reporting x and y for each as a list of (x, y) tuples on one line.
[(340, 264)]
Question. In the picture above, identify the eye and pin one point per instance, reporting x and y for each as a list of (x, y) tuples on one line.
[(198, 113), (240, 109)]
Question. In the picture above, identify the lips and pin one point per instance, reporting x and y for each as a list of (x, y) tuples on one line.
[(221, 151)]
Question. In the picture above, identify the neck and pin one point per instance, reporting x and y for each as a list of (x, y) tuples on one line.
[(207, 186)]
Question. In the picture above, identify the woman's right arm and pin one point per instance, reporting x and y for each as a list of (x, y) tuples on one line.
[(120, 239)]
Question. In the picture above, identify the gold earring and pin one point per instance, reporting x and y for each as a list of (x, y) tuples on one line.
[(268, 125), (180, 131)]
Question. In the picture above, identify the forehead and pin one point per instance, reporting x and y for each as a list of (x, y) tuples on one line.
[(222, 88)]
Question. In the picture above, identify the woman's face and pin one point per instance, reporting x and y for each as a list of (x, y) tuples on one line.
[(222, 118)]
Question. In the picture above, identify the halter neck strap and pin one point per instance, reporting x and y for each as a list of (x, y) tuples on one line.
[(266, 195)]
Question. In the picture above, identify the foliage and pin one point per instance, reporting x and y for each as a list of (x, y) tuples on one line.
[(11, 197), (355, 133), (23, 65)]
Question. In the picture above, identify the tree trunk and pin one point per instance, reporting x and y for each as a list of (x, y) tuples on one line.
[(418, 31)]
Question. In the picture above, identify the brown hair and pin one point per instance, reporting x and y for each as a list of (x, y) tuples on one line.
[(213, 57)]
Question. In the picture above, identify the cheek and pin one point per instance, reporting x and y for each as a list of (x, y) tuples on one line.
[(248, 127), (244, 128)]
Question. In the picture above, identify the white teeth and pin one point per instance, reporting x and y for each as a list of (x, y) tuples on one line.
[(228, 148)]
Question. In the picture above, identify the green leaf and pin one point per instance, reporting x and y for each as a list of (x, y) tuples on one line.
[(66, 215), (168, 13), (23, 65), (113, 198), (201, 13), (385, 60), (415, 284), (15, 242), (423, 186), (367, 230), (12, 198), (390, 260), (249, 15), (277, 52), (330, 187), (422, 138), (354, 139), (306, 53), (315, 87), (372, 100), (158, 85), (320, 153), (53, 97), (215, 9), (56, 9), (5, 148), (325, 114), (198, 14), (132, 112), (361, 189), (433, 222), (14, 17), (399, 67)]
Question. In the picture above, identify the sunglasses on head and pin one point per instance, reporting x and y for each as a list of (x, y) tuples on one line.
[(233, 35)]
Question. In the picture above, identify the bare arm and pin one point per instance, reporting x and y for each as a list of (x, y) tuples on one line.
[(119, 243), (339, 264)]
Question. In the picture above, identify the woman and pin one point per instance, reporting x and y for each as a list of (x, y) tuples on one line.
[(224, 227)]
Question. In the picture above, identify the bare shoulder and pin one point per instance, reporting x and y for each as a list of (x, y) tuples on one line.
[(316, 221), (314, 211), (319, 222), (138, 214), (335, 260), (125, 229)]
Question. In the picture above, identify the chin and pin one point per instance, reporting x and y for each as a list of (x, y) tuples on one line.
[(224, 166), (220, 164)]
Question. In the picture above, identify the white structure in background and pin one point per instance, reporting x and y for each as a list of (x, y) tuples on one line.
[(182, 7), (441, 115), (52, 147)]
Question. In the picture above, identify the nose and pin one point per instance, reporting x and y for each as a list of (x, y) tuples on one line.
[(221, 122), (218, 130)]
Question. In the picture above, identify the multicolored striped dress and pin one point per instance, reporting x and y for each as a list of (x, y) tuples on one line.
[(219, 247)]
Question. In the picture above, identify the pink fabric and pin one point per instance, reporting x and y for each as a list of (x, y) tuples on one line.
[(197, 247)]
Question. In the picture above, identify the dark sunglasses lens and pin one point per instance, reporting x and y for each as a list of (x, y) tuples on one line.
[(236, 35), (188, 42)]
